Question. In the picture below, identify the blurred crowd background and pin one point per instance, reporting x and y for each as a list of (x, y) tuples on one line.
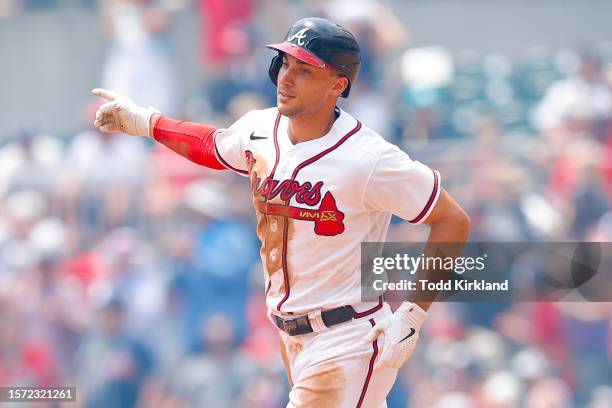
[(133, 274)]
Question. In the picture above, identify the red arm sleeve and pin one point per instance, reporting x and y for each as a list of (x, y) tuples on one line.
[(191, 140)]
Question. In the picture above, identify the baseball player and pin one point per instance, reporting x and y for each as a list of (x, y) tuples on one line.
[(322, 183)]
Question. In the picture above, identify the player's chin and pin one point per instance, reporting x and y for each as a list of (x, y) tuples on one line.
[(286, 108)]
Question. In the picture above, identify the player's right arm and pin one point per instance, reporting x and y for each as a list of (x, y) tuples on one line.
[(192, 140)]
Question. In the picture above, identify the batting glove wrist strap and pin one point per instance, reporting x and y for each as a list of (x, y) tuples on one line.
[(412, 314)]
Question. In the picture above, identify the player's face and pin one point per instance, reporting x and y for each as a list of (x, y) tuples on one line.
[(303, 88)]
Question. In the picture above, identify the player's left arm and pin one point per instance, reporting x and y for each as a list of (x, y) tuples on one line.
[(448, 224)]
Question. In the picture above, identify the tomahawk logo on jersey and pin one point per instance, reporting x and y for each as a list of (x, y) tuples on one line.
[(316, 201)]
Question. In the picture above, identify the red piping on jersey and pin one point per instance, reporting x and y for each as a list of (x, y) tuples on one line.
[(324, 152), (293, 176), (370, 311), (430, 201), (370, 369), (246, 172), (278, 117), (226, 164), (268, 288), (277, 149)]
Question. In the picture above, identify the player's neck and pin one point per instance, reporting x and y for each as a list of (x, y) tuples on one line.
[(303, 128)]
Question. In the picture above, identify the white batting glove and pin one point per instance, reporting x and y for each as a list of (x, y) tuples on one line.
[(400, 333), (120, 114)]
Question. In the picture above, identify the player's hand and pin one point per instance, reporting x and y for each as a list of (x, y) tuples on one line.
[(120, 114), (400, 333)]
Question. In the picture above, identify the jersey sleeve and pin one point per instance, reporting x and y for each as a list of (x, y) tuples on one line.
[(402, 186), (230, 142)]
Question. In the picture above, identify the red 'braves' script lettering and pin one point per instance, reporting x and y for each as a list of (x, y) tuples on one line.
[(304, 193)]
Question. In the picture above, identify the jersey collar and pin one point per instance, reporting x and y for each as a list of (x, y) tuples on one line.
[(342, 125)]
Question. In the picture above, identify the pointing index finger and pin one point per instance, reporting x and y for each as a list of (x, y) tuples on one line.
[(105, 93)]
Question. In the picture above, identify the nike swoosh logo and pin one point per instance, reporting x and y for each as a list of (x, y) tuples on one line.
[(253, 137), (412, 331)]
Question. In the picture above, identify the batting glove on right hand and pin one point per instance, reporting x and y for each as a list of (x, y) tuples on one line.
[(400, 333), (120, 114)]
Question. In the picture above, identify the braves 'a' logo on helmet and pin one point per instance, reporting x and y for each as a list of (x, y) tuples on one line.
[(299, 36)]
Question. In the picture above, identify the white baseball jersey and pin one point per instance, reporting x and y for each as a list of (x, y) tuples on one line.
[(318, 200)]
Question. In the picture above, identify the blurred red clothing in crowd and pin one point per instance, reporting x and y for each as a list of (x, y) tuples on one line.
[(224, 28)]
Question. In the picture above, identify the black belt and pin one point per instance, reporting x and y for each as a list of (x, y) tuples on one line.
[(301, 325)]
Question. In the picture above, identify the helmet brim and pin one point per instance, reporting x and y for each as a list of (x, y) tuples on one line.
[(301, 54)]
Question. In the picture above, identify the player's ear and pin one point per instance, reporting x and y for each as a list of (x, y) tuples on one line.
[(340, 84)]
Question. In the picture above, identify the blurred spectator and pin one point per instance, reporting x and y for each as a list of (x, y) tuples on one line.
[(31, 161), (113, 367), (102, 171), (215, 280), (225, 29), (582, 101), (213, 374), (137, 62)]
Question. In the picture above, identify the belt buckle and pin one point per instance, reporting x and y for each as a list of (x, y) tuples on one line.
[(289, 325)]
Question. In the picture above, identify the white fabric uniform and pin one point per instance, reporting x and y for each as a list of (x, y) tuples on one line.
[(316, 202)]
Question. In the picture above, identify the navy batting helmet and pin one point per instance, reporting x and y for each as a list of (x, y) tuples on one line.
[(322, 43)]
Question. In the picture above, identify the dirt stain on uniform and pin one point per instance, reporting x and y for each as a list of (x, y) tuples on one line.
[(325, 388), (283, 352), (293, 278), (270, 228), (272, 243)]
